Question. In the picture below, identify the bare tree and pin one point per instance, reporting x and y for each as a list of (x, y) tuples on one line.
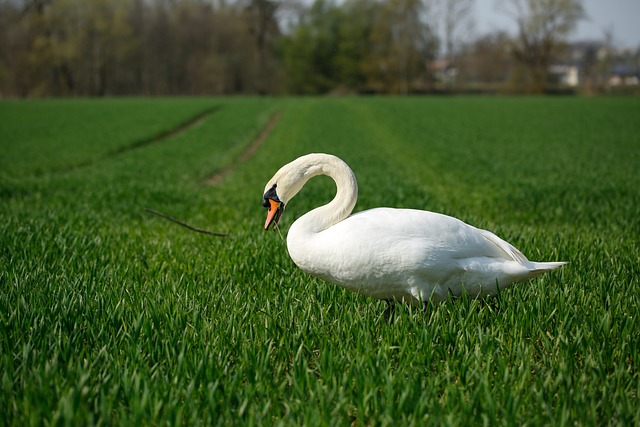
[(542, 26), (455, 18)]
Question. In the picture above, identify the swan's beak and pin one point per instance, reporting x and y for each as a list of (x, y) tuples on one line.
[(273, 214)]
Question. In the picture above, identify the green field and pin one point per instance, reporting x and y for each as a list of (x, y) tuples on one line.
[(109, 315)]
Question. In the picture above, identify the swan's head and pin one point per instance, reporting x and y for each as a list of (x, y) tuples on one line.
[(275, 206), (290, 179), (285, 184)]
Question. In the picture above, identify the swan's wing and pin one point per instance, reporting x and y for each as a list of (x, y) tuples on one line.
[(440, 236)]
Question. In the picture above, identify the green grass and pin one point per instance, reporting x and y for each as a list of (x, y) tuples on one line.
[(54, 135), (109, 315)]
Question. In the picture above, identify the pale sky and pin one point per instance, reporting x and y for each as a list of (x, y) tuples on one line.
[(622, 16)]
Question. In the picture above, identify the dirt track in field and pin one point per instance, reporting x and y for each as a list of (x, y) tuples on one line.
[(246, 154)]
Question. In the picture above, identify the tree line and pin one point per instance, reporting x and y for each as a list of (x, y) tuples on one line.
[(137, 47), (220, 47)]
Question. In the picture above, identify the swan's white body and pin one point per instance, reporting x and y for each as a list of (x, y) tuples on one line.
[(392, 254)]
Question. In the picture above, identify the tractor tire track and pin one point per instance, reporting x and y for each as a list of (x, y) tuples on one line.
[(216, 178), (144, 142)]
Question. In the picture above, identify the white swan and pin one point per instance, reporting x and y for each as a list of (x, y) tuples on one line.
[(391, 254)]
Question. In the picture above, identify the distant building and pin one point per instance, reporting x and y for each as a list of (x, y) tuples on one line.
[(444, 71), (624, 75), (565, 75)]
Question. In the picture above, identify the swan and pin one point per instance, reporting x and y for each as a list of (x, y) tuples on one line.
[(406, 255)]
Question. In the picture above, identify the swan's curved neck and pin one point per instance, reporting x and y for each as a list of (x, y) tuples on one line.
[(340, 207)]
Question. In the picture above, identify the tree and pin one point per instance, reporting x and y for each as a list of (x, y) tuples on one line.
[(359, 46), (455, 16), (486, 62), (402, 44), (355, 30), (542, 26), (309, 52), (15, 39), (263, 26)]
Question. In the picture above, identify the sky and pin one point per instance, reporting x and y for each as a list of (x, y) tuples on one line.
[(621, 16)]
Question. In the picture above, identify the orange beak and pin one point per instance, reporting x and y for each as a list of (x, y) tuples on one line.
[(273, 214)]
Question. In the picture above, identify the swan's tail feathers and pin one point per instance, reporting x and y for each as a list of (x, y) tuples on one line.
[(538, 268)]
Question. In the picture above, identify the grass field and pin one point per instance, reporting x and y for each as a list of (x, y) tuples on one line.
[(109, 315)]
